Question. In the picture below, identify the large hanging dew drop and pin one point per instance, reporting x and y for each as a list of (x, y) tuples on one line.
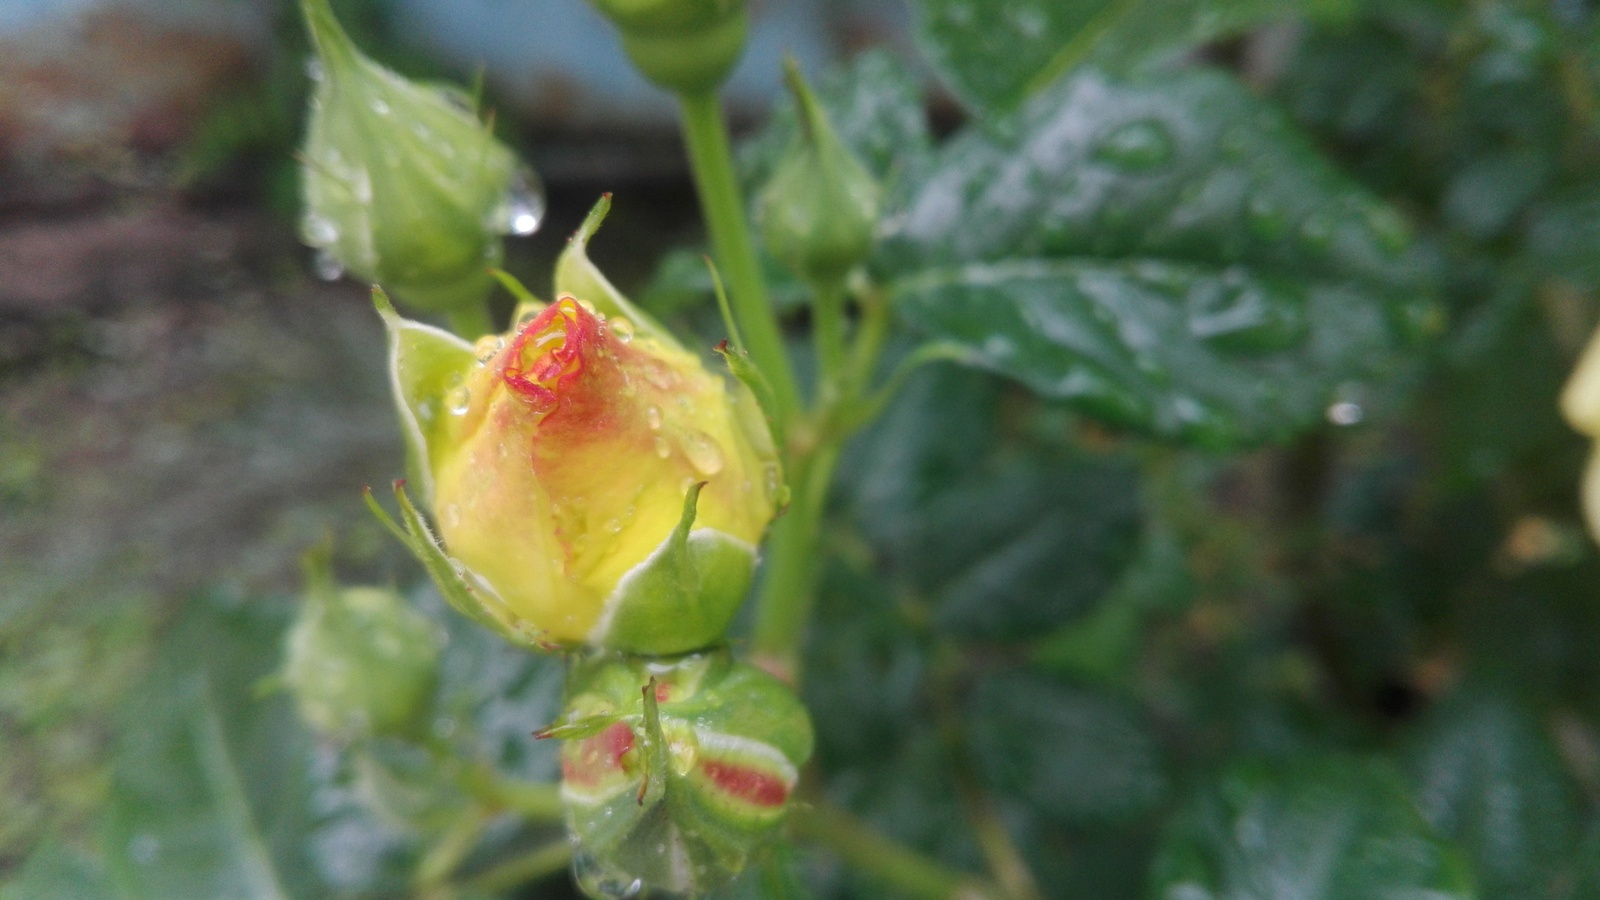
[(327, 266), (601, 882), (521, 210)]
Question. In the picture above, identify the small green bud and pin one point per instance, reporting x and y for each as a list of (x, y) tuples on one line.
[(819, 210), (688, 46), (677, 770), (359, 661), (402, 185)]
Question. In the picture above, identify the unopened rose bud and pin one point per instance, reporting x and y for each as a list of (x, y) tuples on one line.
[(359, 661), (592, 481), (1580, 404), (402, 185), (820, 208), (681, 45), (675, 772)]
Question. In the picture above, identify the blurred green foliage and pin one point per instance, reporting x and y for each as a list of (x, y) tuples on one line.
[(1244, 562)]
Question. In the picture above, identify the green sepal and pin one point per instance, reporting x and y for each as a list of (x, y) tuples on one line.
[(760, 388), (476, 601), (425, 364), (577, 275), (574, 729), (682, 596)]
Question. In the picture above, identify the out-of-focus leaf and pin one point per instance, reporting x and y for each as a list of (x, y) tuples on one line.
[(934, 435), (56, 870), (1308, 827), (1026, 547), (991, 55), (1166, 255), (219, 792), (1104, 644), (212, 788), (1001, 547), (1489, 777), (1068, 753), (861, 637)]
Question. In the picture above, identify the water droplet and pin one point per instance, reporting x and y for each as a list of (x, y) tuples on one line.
[(702, 452), (601, 880), (444, 726), (1246, 318), (318, 230), (452, 515), (361, 185), (459, 400), (1318, 229), (522, 209), (772, 481), (1345, 413), (1030, 22), (327, 266), (486, 347), (315, 70), (1265, 218), (663, 449), (653, 416), (1390, 230), (998, 347), (622, 328), (1137, 145), (143, 848), (380, 106), (1150, 366)]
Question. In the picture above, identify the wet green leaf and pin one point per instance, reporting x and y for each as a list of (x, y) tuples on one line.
[(1309, 827), (999, 545), (1166, 255), (1068, 753), (1488, 776), (213, 788), (993, 54), (55, 869)]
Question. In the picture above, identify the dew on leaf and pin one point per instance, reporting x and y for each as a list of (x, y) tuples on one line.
[(1139, 145)]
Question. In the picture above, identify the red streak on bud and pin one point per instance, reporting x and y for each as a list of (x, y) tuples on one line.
[(663, 691), (595, 757), (750, 785), (560, 336)]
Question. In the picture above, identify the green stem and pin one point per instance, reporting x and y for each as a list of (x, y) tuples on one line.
[(788, 588), (539, 863), (865, 849), (873, 331), (828, 334), (451, 848), (706, 137), (532, 800), (471, 320)]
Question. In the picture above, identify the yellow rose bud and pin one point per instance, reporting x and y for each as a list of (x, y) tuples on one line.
[(594, 482), (1580, 403)]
